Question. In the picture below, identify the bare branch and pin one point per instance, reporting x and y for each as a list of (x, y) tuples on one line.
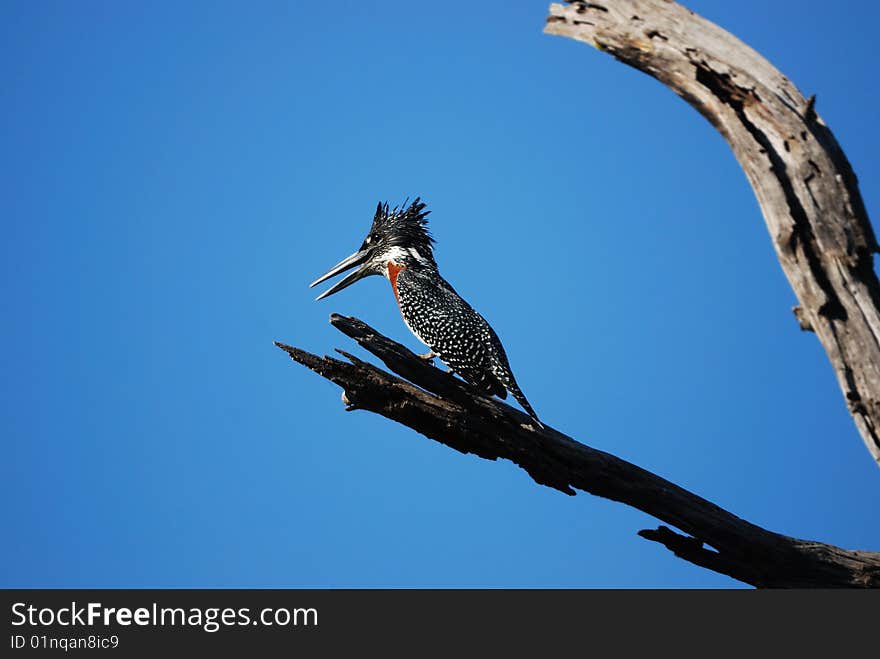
[(810, 200), (805, 186), (445, 409)]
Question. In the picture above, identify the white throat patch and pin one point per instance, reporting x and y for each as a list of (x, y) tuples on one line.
[(396, 254)]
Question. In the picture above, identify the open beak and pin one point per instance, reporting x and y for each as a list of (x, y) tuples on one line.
[(356, 259)]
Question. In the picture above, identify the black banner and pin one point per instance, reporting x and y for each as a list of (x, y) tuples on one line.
[(411, 622)]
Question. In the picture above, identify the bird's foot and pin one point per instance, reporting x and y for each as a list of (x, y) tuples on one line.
[(349, 405), (429, 357)]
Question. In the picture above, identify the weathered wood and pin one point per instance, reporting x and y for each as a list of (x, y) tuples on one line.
[(450, 411), (805, 186)]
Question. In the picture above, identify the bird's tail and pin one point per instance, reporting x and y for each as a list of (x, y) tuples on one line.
[(521, 399), (501, 370)]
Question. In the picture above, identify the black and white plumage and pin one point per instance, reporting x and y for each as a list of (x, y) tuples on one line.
[(400, 248)]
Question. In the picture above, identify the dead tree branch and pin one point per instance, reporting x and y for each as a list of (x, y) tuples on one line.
[(451, 412), (809, 196), (805, 186)]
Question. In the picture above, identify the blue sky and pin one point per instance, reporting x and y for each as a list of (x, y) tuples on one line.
[(175, 174)]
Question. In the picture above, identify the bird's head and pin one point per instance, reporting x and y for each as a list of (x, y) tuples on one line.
[(399, 235)]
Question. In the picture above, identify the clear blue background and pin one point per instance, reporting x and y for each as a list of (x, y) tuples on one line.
[(174, 174)]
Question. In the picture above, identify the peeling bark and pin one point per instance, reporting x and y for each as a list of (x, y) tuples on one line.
[(805, 186), (448, 410)]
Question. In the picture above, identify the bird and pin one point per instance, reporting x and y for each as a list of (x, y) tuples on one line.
[(400, 248)]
